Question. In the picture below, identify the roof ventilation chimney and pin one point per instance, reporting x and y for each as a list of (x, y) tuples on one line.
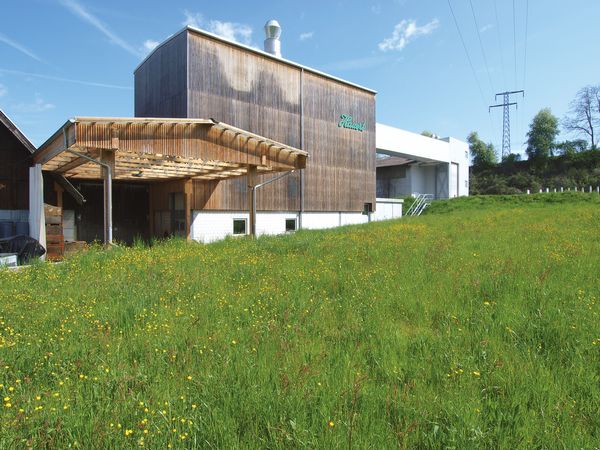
[(272, 42)]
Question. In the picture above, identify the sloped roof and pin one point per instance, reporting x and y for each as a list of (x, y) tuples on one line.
[(16, 132)]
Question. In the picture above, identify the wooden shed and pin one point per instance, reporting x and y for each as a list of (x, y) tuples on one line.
[(15, 158)]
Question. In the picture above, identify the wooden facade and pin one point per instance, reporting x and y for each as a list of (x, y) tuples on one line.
[(197, 75), (15, 159)]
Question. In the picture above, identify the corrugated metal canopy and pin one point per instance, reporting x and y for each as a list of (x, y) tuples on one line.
[(161, 148)]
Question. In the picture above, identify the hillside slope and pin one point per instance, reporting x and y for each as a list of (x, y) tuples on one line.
[(475, 330), (579, 170)]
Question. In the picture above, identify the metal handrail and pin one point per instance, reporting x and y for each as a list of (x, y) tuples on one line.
[(421, 202)]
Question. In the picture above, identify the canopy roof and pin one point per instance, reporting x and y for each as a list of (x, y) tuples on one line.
[(160, 148)]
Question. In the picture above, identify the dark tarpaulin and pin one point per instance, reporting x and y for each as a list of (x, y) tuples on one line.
[(25, 247)]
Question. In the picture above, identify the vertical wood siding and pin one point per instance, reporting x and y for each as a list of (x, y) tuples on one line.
[(161, 82), (15, 160), (262, 95)]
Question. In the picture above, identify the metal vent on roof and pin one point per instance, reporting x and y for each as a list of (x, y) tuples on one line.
[(272, 35)]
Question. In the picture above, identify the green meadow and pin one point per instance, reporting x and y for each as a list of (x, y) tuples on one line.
[(473, 326)]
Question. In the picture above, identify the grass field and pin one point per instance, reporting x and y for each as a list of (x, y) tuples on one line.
[(473, 326)]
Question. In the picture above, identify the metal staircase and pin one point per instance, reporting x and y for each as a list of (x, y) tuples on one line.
[(421, 202)]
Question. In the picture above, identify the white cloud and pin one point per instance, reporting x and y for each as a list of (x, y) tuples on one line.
[(405, 32), (237, 32), (3, 90), (307, 36), (38, 106), (485, 28), (192, 19), (150, 45), (78, 10), (19, 47)]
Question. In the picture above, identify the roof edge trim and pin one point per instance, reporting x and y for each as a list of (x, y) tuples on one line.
[(253, 50), (16, 131)]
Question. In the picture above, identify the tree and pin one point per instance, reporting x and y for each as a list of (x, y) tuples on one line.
[(583, 118), (484, 155), (511, 158), (542, 133), (571, 147), (427, 133)]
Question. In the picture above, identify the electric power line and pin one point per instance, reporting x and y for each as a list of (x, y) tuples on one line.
[(500, 42), (467, 53), (487, 68), (526, 32), (515, 39)]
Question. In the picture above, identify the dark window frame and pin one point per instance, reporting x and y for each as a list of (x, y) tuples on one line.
[(288, 220), (245, 222)]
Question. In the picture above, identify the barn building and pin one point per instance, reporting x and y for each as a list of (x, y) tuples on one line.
[(15, 159)]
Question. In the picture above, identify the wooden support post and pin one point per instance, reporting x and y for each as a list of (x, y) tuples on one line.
[(188, 188), (151, 193), (59, 194), (108, 157), (251, 175)]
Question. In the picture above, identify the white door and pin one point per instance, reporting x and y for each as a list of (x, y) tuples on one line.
[(453, 180)]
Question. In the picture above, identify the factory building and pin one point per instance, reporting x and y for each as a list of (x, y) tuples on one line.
[(231, 140)]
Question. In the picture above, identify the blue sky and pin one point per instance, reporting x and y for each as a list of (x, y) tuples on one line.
[(61, 58)]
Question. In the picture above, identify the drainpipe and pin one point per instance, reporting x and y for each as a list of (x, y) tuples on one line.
[(301, 147), (108, 227), (258, 186)]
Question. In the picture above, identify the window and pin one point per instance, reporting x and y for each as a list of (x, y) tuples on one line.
[(239, 226), (367, 208), (290, 225)]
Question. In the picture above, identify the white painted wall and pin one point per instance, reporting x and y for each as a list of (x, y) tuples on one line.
[(320, 220), (210, 226), (387, 208), (459, 153), (422, 179)]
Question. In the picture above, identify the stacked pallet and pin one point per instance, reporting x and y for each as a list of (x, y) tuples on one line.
[(55, 240)]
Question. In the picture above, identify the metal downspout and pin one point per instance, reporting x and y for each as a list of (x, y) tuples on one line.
[(254, 189), (301, 147)]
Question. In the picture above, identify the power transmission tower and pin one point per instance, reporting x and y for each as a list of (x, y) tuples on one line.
[(506, 104)]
